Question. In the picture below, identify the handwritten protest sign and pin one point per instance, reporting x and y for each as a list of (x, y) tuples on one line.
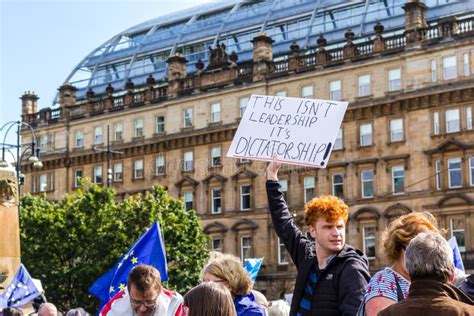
[(298, 131)]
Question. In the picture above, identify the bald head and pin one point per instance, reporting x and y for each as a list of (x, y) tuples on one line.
[(47, 309)]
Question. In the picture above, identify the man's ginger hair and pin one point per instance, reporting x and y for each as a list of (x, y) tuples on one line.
[(328, 207)]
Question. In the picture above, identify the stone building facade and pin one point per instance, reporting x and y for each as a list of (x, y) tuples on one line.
[(406, 143)]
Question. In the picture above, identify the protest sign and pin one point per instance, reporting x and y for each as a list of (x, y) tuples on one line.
[(298, 131)]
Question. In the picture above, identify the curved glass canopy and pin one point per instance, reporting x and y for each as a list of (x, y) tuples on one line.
[(142, 50)]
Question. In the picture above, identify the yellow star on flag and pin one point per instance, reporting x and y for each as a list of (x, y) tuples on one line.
[(111, 289), (121, 286), (134, 260)]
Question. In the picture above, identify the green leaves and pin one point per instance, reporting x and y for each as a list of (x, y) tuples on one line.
[(68, 244)]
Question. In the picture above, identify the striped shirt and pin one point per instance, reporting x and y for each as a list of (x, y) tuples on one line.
[(382, 284)]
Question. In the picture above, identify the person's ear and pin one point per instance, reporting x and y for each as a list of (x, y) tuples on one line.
[(312, 231), (453, 273)]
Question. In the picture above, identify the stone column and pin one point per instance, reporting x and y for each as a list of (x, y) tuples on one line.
[(262, 56), (10, 226), (176, 71), (415, 21)]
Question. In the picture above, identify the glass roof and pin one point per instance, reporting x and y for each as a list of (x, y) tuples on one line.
[(143, 49)]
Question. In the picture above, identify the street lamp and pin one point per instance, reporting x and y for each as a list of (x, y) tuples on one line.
[(23, 151)]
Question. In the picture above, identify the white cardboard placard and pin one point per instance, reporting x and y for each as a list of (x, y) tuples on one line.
[(298, 131)]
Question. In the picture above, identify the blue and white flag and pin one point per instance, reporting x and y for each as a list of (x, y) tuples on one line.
[(21, 291), (252, 265), (149, 249), (456, 254)]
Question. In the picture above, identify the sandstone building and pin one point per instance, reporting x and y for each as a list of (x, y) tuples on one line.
[(168, 106)]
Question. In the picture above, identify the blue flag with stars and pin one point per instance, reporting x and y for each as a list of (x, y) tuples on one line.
[(21, 291), (149, 249)]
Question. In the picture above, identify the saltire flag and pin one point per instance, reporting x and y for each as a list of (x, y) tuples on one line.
[(252, 266), (456, 254), (149, 249), (21, 290)]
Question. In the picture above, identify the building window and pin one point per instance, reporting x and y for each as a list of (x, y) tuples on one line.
[(466, 64), (78, 139), (188, 117), (139, 128), (160, 165), (43, 183), (215, 112), (394, 79), (98, 174), (366, 134), (216, 159), (43, 143), (244, 197), (436, 127), (78, 175), (367, 177), (469, 118), (98, 135), (434, 71), (118, 131), (369, 241), (216, 201), (452, 121), (455, 173), (307, 92), (438, 174), (216, 244), (243, 102), (309, 185), (284, 188), (160, 124), (449, 68), (396, 130), (188, 161), (335, 90), (188, 200), (457, 230), (280, 93), (398, 179), (245, 248), (138, 169), (471, 170), (339, 143), (118, 172), (338, 185), (282, 253), (364, 86)]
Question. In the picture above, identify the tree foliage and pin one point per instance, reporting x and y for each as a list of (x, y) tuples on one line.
[(68, 244)]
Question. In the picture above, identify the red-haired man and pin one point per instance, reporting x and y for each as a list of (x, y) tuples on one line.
[(332, 275)]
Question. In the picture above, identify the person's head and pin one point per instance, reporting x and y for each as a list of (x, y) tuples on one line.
[(77, 312), (279, 308), (209, 299), (326, 217), (12, 311), (429, 255), (144, 288), (260, 299), (47, 309), (403, 229), (228, 271)]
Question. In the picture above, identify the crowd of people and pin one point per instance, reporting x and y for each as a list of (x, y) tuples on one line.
[(332, 276)]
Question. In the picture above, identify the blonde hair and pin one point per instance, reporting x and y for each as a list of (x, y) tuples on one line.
[(329, 207), (399, 232), (229, 268)]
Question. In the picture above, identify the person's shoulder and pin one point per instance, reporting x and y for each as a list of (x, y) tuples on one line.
[(118, 305)]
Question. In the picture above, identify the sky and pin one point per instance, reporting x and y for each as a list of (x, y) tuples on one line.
[(41, 42)]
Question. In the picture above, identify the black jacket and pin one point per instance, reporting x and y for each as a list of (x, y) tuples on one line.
[(341, 286)]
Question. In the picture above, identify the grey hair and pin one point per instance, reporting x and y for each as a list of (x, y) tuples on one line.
[(429, 255), (279, 308)]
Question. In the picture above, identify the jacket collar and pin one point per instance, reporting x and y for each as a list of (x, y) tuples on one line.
[(428, 287)]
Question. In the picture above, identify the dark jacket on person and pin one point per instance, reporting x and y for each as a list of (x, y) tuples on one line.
[(467, 286), (428, 297), (341, 285)]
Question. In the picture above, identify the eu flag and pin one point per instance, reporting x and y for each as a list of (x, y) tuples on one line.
[(21, 291), (149, 249)]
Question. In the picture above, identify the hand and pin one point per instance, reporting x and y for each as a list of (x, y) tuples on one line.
[(272, 169)]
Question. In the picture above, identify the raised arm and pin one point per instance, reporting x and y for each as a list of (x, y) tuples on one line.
[(295, 242)]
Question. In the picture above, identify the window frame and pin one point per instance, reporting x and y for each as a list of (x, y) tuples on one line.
[(242, 257), (361, 135), (333, 92), (241, 107), (186, 194), (339, 133), (98, 137), (191, 161), (309, 96), (306, 187), (216, 114), (395, 132), (282, 260), (188, 116), (158, 158), (453, 110), (361, 85), (452, 231), (400, 168), (95, 173), (364, 240), (76, 178), (395, 84), (363, 195), (160, 125), (76, 138), (117, 178), (247, 195), (438, 175), (334, 184), (216, 161), (138, 131), (118, 131), (446, 75), (214, 198), (451, 170)]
